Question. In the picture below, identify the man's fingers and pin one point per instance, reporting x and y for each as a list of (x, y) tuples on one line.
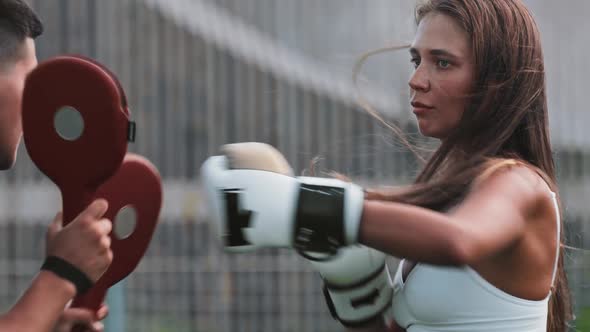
[(95, 210), (52, 230), (102, 312), (55, 226), (106, 225), (97, 327), (78, 315)]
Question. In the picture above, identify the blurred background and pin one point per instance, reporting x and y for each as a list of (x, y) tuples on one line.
[(201, 73)]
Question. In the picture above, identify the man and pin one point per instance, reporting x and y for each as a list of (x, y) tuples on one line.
[(83, 246)]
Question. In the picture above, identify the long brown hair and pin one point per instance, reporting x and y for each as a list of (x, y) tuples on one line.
[(506, 117)]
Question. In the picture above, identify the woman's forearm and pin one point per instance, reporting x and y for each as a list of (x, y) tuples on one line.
[(403, 230)]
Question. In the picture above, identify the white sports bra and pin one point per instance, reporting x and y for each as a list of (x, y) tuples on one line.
[(457, 299)]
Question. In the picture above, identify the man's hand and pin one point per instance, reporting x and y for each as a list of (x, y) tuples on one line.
[(85, 242), (75, 316)]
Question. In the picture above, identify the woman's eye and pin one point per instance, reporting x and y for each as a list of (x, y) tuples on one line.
[(443, 63), (416, 62)]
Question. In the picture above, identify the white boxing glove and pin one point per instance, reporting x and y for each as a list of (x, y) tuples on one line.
[(357, 285), (254, 200)]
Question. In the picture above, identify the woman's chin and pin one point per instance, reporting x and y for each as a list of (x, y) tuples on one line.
[(425, 128), (428, 131)]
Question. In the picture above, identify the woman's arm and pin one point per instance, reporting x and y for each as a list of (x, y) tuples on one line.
[(492, 217), (40, 306)]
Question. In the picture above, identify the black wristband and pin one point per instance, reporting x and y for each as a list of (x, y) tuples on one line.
[(68, 272)]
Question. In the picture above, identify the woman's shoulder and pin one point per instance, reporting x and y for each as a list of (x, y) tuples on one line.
[(518, 179)]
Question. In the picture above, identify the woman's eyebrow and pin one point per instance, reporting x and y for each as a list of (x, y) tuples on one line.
[(435, 52)]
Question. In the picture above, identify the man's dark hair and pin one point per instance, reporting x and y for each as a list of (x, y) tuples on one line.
[(17, 22)]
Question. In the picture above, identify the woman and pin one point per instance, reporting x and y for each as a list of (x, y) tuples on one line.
[(482, 218)]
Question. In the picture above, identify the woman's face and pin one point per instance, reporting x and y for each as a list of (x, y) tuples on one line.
[(444, 74)]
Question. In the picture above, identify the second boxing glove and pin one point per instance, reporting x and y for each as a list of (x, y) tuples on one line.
[(357, 286)]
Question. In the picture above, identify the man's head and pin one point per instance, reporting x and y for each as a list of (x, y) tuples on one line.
[(19, 25)]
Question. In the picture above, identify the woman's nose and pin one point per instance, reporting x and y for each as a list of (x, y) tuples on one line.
[(419, 80)]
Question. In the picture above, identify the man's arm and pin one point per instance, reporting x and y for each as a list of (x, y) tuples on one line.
[(40, 306), (83, 243)]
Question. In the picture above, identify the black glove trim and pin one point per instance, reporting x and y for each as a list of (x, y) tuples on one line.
[(319, 222), (69, 272)]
